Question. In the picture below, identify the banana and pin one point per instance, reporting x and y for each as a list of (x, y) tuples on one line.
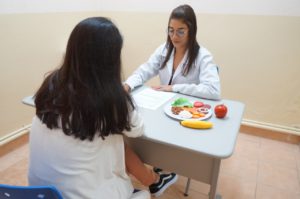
[(196, 124)]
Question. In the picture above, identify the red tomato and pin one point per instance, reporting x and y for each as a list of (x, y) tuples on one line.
[(198, 104), (220, 111)]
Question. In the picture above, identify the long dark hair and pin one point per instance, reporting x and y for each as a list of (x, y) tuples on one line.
[(187, 15), (85, 95)]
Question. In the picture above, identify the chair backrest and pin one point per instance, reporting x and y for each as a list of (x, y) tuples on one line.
[(29, 192)]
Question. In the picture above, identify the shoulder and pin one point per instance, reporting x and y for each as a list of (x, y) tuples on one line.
[(204, 55), (162, 49), (160, 53), (203, 51)]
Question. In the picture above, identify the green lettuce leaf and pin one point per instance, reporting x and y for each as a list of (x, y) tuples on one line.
[(181, 102)]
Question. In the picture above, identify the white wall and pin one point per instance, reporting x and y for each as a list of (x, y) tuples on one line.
[(248, 7), (255, 43)]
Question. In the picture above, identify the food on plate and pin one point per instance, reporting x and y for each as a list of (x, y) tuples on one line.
[(220, 111), (192, 110), (206, 106), (176, 110), (203, 110), (198, 115), (196, 124), (182, 102), (198, 104), (185, 114), (186, 109)]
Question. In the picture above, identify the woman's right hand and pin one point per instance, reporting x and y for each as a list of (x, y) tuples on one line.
[(166, 88), (126, 88)]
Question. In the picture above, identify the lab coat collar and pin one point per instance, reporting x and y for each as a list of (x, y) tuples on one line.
[(181, 65)]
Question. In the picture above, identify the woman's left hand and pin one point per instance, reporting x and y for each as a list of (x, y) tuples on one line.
[(167, 88)]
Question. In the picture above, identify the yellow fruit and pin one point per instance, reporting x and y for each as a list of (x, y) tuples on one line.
[(196, 124)]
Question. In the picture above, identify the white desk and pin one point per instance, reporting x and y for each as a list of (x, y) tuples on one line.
[(193, 153), (196, 154)]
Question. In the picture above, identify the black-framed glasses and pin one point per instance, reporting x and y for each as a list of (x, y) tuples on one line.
[(179, 32)]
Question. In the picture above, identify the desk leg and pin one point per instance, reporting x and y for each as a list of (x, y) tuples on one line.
[(187, 186), (214, 180)]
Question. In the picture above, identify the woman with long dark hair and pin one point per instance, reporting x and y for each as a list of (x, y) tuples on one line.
[(82, 113)]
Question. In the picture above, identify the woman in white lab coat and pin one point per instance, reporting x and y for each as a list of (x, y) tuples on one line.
[(182, 65)]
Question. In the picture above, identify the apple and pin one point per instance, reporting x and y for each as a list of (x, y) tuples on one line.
[(220, 111)]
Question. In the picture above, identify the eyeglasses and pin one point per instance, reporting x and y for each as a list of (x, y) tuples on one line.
[(180, 32)]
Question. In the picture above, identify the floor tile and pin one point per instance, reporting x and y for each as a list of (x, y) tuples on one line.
[(240, 166), (177, 191), (278, 177), (280, 158), (15, 174), (269, 192), (253, 138), (273, 144), (194, 185), (196, 191), (13, 157), (258, 169), (248, 147), (298, 163), (236, 188), (298, 158)]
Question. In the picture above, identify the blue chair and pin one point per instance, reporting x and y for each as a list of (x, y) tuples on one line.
[(29, 192)]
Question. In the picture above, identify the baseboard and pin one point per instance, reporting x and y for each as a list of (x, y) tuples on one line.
[(271, 134), (11, 144)]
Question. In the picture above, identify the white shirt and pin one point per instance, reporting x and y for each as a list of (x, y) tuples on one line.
[(201, 81), (81, 169)]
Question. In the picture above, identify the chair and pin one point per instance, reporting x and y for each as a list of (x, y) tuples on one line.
[(29, 192)]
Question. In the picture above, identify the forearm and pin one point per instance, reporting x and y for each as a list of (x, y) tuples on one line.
[(211, 91)]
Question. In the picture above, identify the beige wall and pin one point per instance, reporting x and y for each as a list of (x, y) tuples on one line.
[(258, 57)]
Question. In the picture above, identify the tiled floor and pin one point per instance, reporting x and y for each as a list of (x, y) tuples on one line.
[(259, 169)]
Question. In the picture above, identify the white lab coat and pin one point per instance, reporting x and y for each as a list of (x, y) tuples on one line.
[(81, 169), (201, 81)]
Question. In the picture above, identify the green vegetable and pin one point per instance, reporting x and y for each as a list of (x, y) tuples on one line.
[(181, 102)]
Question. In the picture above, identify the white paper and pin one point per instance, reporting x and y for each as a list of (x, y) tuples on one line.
[(152, 99)]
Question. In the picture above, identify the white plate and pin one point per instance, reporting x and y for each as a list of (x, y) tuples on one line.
[(168, 111)]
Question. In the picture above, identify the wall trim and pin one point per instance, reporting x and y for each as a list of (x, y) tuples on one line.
[(14, 135), (270, 134), (271, 127), (14, 140)]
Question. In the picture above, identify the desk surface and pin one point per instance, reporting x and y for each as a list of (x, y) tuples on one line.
[(218, 141)]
